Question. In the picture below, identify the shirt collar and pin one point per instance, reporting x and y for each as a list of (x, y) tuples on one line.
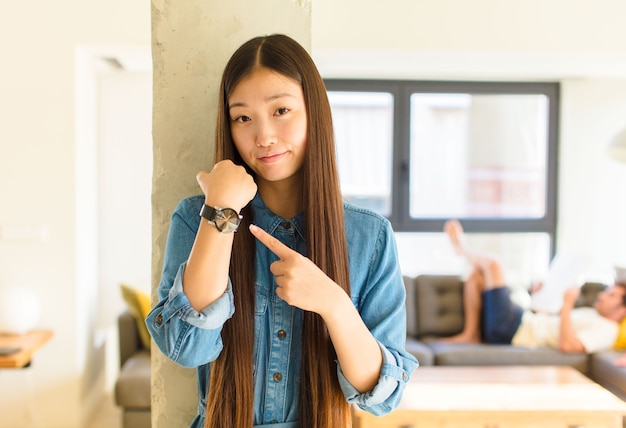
[(268, 221)]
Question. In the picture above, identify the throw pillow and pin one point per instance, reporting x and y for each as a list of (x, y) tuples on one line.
[(620, 343), (139, 306)]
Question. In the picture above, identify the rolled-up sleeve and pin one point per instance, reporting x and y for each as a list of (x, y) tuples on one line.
[(186, 336), (212, 317), (388, 391)]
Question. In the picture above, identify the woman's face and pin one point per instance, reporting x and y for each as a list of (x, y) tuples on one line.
[(268, 124)]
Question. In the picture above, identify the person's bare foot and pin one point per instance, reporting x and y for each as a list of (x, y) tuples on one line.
[(454, 230), (461, 338)]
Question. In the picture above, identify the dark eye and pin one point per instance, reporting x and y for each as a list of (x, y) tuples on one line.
[(282, 110), (241, 119)]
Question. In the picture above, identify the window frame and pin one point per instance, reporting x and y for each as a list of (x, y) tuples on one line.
[(401, 91)]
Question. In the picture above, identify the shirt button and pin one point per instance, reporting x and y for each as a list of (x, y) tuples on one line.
[(277, 377), (405, 377), (282, 334), (286, 225), (159, 319)]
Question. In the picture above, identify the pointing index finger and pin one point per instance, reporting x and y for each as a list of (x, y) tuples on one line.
[(274, 245)]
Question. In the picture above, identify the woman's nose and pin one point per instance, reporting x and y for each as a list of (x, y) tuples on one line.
[(266, 134)]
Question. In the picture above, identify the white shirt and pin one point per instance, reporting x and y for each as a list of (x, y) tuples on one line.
[(596, 332)]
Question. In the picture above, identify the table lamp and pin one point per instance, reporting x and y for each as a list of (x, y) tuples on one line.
[(20, 309)]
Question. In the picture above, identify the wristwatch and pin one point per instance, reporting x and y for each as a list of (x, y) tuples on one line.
[(226, 220)]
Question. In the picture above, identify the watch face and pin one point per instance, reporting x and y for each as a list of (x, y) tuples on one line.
[(227, 220)]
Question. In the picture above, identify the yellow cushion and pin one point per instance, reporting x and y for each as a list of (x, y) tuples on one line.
[(138, 305), (620, 343)]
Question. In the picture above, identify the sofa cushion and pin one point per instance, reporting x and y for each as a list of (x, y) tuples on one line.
[(421, 351), (467, 354), (132, 388), (138, 304), (605, 372), (439, 305)]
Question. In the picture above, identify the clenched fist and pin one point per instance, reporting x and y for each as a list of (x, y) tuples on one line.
[(227, 185)]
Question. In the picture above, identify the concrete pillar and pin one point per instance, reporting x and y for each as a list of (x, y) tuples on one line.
[(191, 42)]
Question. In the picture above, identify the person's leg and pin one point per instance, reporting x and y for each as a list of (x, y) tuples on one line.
[(487, 273), (485, 263), (472, 305)]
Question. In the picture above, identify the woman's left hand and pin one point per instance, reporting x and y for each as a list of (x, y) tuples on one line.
[(300, 282)]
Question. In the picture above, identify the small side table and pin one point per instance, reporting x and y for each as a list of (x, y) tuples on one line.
[(27, 343)]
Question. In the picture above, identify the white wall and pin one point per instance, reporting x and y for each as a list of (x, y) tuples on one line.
[(464, 26), (125, 186), (592, 203), (124, 243), (38, 191)]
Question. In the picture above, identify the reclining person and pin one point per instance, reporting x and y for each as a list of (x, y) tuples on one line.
[(491, 316)]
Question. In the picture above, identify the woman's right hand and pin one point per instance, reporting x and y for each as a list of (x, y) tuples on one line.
[(227, 185)]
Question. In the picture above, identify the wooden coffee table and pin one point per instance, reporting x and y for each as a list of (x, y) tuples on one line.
[(502, 397)]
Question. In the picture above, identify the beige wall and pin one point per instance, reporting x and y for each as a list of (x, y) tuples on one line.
[(477, 39), (592, 206), (475, 25)]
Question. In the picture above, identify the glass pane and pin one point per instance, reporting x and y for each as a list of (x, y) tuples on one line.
[(363, 124), (524, 256), (475, 155)]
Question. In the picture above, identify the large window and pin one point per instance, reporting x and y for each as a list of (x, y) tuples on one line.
[(420, 153)]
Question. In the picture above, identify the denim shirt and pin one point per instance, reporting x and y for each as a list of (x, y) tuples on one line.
[(193, 339)]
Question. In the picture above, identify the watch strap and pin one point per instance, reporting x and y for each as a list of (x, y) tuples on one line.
[(208, 212)]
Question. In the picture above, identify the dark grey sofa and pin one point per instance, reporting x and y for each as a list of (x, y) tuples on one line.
[(435, 309), (132, 388)]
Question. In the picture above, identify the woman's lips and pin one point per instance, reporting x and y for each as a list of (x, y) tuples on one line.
[(272, 157)]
